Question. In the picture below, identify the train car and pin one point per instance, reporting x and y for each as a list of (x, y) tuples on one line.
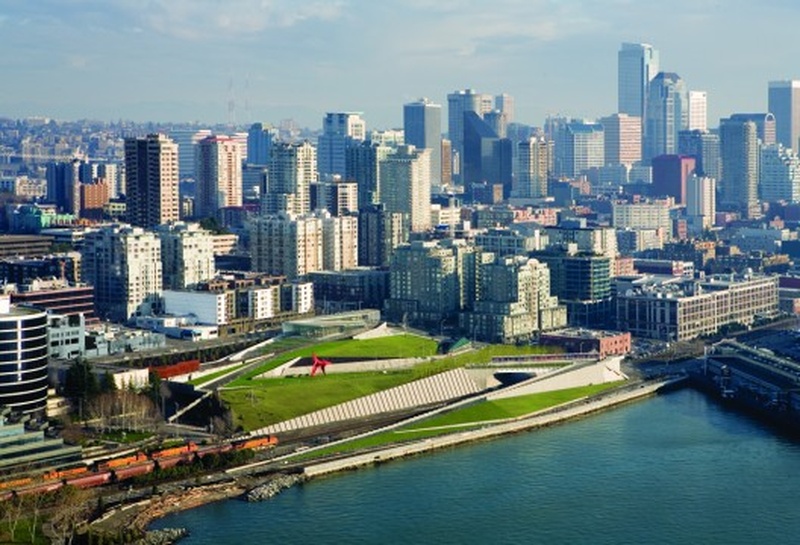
[(128, 472), (257, 443), (91, 480), (123, 461), (174, 451), (16, 483), (215, 449), (172, 461), (7, 495), (60, 474), (49, 486)]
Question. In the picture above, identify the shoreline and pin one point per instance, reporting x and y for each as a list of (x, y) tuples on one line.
[(143, 513)]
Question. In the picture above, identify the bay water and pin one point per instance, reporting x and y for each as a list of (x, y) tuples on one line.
[(675, 468)]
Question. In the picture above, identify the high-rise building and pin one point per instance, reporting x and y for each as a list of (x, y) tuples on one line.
[(286, 244), (337, 197), (259, 141), (447, 162), (698, 111), (670, 176), (63, 186), (704, 147), (487, 158), (579, 146), (637, 66), (766, 126), (186, 140), (504, 103), (363, 164), (187, 255), (784, 103), (739, 155), (780, 174), (406, 185), (151, 173), (622, 139), (219, 175), (422, 125), (534, 159), (379, 233), (292, 168), (701, 203), (339, 129), (123, 263), (498, 121), (339, 242), (23, 366), (458, 103), (666, 115)]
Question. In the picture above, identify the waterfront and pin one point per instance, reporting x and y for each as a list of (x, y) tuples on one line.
[(672, 469)]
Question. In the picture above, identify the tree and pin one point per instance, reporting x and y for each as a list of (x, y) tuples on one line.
[(81, 382), (71, 510)]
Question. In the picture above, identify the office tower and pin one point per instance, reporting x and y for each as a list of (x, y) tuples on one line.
[(739, 155), (187, 255), (186, 140), (388, 137), (498, 122), (63, 186), (458, 103), (151, 173), (339, 242), (254, 181), (379, 233), (784, 103), (363, 164), (698, 111), (339, 129), (504, 103), (780, 174), (637, 65), (422, 125), (579, 146), (259, 141), (406, 185), (23, 367), (123, 263), (292, 168), (447, 162), (766, 126), (622, 139), (667, 114), (704, 147), (701, 203), (219, 175), (285, 244), (487, 158), (337, 197), (670, 176), (534, 158)]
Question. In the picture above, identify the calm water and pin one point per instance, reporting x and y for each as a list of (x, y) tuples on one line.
[(672, 469)]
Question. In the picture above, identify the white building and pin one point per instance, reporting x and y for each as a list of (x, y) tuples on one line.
[(701, 204), (292, 168), (286, 244), (698, 111), (218, 168), (209, 307), (123, 263), (780, 174), (406, 185), (534, 158), (339, 242), (187, 254), (653, 215)]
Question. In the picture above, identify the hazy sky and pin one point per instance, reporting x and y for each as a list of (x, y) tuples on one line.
[(184, 60)]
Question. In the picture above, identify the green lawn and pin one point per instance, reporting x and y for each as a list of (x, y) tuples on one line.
[(261, 402), (212, 376), (467, 418)]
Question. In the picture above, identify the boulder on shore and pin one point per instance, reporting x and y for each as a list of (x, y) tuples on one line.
[(273, 487)]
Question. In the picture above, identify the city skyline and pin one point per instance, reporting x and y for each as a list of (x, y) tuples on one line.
[(184, 61)]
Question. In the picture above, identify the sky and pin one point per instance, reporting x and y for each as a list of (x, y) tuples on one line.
[(189, 60)]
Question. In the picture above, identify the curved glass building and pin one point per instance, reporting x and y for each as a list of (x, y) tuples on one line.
[(23, 358)]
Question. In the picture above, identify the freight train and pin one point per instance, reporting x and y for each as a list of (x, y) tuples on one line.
[(115, 470)]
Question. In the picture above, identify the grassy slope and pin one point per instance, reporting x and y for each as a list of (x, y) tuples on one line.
[(260, 402)]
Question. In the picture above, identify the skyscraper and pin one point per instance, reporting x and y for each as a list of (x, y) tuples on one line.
[(622, 139), (422, 124), (219, 175), (151, 174), (459, 102), (187, 255), (534, 157), (259, 142), (666, 115), (292, 168), (505, 104), (637, 66), (579, 146), (779, 174), (784, 103), (701, 204), (339, 129), (363, 164), (704, 147), (406, 185), (739, 154), (487, 158), (670, 176), (698, 111)]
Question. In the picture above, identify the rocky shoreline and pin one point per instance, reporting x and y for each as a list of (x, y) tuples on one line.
[(273, 487)]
